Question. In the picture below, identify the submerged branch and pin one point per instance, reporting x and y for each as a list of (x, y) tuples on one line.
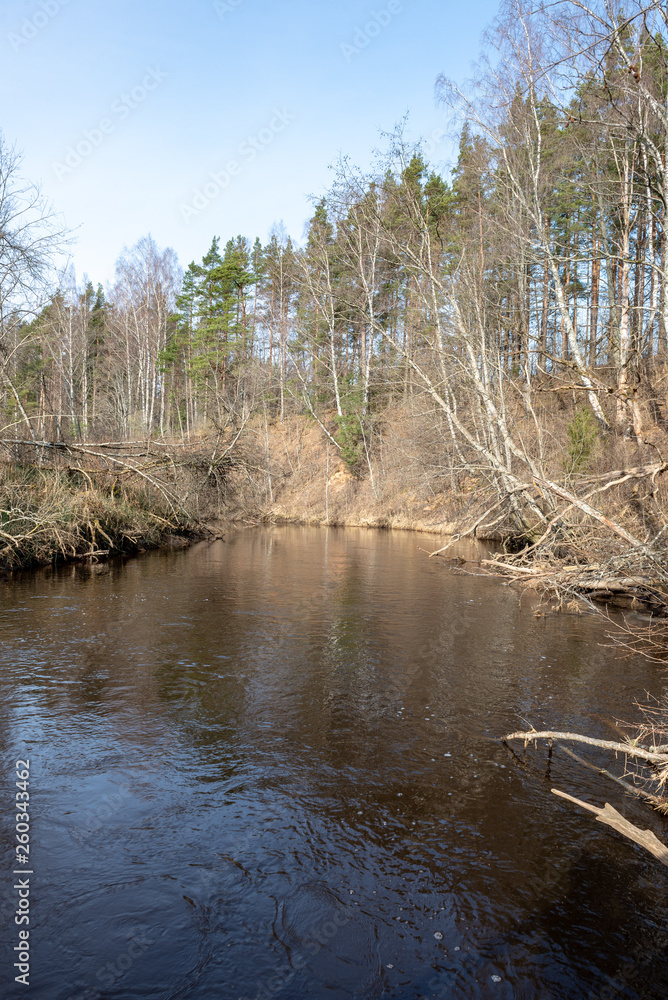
[(610, 816)]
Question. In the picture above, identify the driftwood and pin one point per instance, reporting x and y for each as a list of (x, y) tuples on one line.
[(610, 816), (615, 584), (630, 749), (592, 582)]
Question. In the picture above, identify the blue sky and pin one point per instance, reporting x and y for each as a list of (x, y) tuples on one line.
[(194, 118)]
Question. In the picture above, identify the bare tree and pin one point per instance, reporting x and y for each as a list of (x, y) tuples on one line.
[(621, 52), (455, 359), (507, 107), (31, 239), (147, 279)]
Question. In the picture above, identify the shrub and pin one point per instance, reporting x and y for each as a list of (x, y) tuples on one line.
[(582, 436)]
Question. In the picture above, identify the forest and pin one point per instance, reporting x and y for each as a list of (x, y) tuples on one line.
[(494, 337)]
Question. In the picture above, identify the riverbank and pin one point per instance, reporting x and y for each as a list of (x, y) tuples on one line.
[(591, 543), (71, 501), (50, 516), (128, 501), (299, 477)]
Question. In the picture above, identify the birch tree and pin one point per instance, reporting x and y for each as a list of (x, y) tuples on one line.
[(147, 280)]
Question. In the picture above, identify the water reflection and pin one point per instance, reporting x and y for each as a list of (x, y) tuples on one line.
[(266, 767)]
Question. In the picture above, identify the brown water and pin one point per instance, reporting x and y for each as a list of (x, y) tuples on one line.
[(266, 768)]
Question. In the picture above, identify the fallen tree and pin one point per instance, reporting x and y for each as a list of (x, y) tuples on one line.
[(648, 780)]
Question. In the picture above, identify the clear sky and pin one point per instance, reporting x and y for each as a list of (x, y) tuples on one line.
[(194, 118)]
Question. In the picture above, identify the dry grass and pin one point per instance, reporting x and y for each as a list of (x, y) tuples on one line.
[(48, 515), (412, 476)]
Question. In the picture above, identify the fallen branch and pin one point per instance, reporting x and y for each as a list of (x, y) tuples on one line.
[(610, 816), (617, 584), (510, 567), (587, 509), (632, 472), (631, 749), (630, 789), (458, 537)]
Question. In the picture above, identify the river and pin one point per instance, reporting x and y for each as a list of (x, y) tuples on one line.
[(267, 767)]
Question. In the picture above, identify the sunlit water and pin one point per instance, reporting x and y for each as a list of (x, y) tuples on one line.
[(267, 768)]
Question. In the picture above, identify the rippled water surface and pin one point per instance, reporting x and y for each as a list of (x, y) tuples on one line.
[(266, 768)]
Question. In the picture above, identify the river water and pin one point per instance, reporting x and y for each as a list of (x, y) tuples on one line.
[(267, 767)]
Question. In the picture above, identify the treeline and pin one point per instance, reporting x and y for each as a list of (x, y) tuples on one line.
[(539, 263)]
